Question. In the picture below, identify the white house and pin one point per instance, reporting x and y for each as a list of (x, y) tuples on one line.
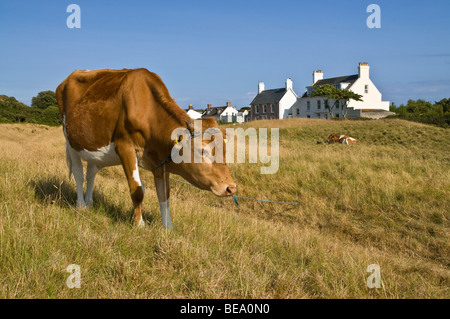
[(314, 107), (242, 116), (274, 103), (193, 113), (230, 113), (226, 114)]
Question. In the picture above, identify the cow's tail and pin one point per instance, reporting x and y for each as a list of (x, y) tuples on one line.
[(68, 159)]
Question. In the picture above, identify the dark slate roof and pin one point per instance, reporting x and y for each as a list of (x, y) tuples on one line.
[(214, 111), (269, 96), (333, 81)]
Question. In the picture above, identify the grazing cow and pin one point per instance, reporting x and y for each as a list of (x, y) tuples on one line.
[(126, 117), (343, 139)]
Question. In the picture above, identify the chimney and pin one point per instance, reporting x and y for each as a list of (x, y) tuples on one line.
[(288, 84), (209, 106), (228, 104), (190, 106), (260, 87), (363, 70), (317, 76)]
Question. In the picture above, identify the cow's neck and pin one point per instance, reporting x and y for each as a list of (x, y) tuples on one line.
[(162, 126)]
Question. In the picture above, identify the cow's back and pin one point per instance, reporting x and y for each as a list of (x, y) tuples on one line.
[(90, 104)]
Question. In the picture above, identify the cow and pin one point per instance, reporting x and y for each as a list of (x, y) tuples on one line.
[(343, 139), (126, 117)]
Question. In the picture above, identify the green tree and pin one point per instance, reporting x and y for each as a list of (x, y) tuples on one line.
[(402, 110), (44, 99), (445, 103), (419, 107), (327, 92), (346, 96), (330, 92), (393, 108)]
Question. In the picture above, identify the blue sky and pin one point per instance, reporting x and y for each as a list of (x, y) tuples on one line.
[(217, 51)]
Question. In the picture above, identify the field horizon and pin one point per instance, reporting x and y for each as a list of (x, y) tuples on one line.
[(382, 201)]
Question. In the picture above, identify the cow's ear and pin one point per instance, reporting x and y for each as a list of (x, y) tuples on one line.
[(190, 127)]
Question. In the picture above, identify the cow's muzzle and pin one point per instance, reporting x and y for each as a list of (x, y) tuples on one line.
[(224, 189), (231, 190)]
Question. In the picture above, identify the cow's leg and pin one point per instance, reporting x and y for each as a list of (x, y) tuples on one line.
[(130, 167), (163, 193), (91, 171), (77, 170)]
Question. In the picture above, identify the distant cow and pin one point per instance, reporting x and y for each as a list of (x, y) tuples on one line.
[(126, 117), (343, 139)]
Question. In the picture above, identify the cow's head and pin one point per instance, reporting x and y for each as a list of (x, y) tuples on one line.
[(212, 173), (333, 138)]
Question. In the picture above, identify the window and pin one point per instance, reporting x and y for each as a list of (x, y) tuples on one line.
[(319, 104), (272, 108), (256, 109), (337, 104), (264, 108), (308, 116), (337, 115), (366, 88), (298, 111), (308, 105)]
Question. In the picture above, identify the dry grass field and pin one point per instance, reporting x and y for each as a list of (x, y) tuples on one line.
[(385, 201)]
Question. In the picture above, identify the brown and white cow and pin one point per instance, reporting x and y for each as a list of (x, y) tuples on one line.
[(343, 139), (126, 117)]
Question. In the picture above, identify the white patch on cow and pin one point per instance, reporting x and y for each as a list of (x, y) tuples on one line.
[(104, 156), (141, 223), (341, 136), (345, 141), (90, 176), (164, 207), (75, 167), (136, 175)]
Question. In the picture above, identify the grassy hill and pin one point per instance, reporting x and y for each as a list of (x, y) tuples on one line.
[(385, 201)]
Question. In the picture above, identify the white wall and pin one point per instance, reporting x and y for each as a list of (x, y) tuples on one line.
[(371, 100), (286, 103), (194, 114), (228, 113), (314, 112)]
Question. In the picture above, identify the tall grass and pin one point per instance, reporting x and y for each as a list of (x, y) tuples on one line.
[(382, 201)]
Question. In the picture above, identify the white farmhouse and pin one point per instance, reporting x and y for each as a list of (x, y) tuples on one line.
[(229, 115), (226, 114), (273, 104), (193, 114), (242, 116), (314, 107)]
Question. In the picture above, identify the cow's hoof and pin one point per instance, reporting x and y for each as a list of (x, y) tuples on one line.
[(81, 204), (139, 224)]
